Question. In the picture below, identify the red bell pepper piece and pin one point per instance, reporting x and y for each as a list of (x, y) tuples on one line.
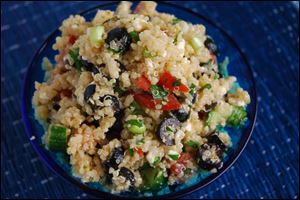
[(139, 151)]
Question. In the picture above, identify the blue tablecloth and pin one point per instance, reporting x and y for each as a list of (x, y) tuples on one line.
[(268, 34)]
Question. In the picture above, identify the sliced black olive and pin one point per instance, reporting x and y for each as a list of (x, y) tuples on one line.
[(128, 174), (109, 178), (210, 45), (89, 66), (210, 156), (167, 129), (214, 139), (117, 127), (56, 106), (114, 101), (194, 98), (181, 114), (115, 159), (89, 91), (118, 40)]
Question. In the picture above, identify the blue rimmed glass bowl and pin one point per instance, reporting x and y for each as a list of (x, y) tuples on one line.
[(238, 67)]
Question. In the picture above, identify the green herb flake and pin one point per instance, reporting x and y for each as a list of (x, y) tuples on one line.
[(140, 141), (174, 156), (135, 36), (187, 171), (148, 54), (158, 92), (74, 54), (175, 21), (176, 83), (156, 160), (206, 86), (131, 151), (137, 109), (193, 89), (192, 144), (169, 129)]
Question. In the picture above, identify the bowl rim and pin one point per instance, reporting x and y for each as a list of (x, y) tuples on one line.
[(212, 177)]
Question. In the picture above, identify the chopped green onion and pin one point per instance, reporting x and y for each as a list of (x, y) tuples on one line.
[(192, 143), (187, 171), (156, 160), (140, 141), (223, 67), (237, 117), (174, 156), (95, 35), (158, 92), (175, 21), (135, 36), (135, 126), (196, 43), (169, 129), (206, 86), (137, 109), (74, 55), (193, 89), (131, 152), (176, 83)]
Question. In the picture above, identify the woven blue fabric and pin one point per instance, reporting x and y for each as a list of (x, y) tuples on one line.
[(267, 32)]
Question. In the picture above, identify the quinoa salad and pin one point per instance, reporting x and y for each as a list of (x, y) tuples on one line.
[(137, 100)]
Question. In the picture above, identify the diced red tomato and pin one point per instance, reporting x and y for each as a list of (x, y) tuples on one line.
[(139, 151), (172, 104), (183, 88), (72, 39), (143, 83), (177, 168), (181, 164), (167, 81), (144, 100), (184, 158)]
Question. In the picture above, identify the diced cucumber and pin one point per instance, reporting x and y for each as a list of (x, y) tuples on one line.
[(213, 118), (153, 178), (223, 67), (135, 126), (56, 139), (95, 35), (196, 43), (237, 117)]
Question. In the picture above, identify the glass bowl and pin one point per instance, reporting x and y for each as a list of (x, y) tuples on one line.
[(238, 67)]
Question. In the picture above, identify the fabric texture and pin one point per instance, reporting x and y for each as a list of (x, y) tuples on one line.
[(267, 32)]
